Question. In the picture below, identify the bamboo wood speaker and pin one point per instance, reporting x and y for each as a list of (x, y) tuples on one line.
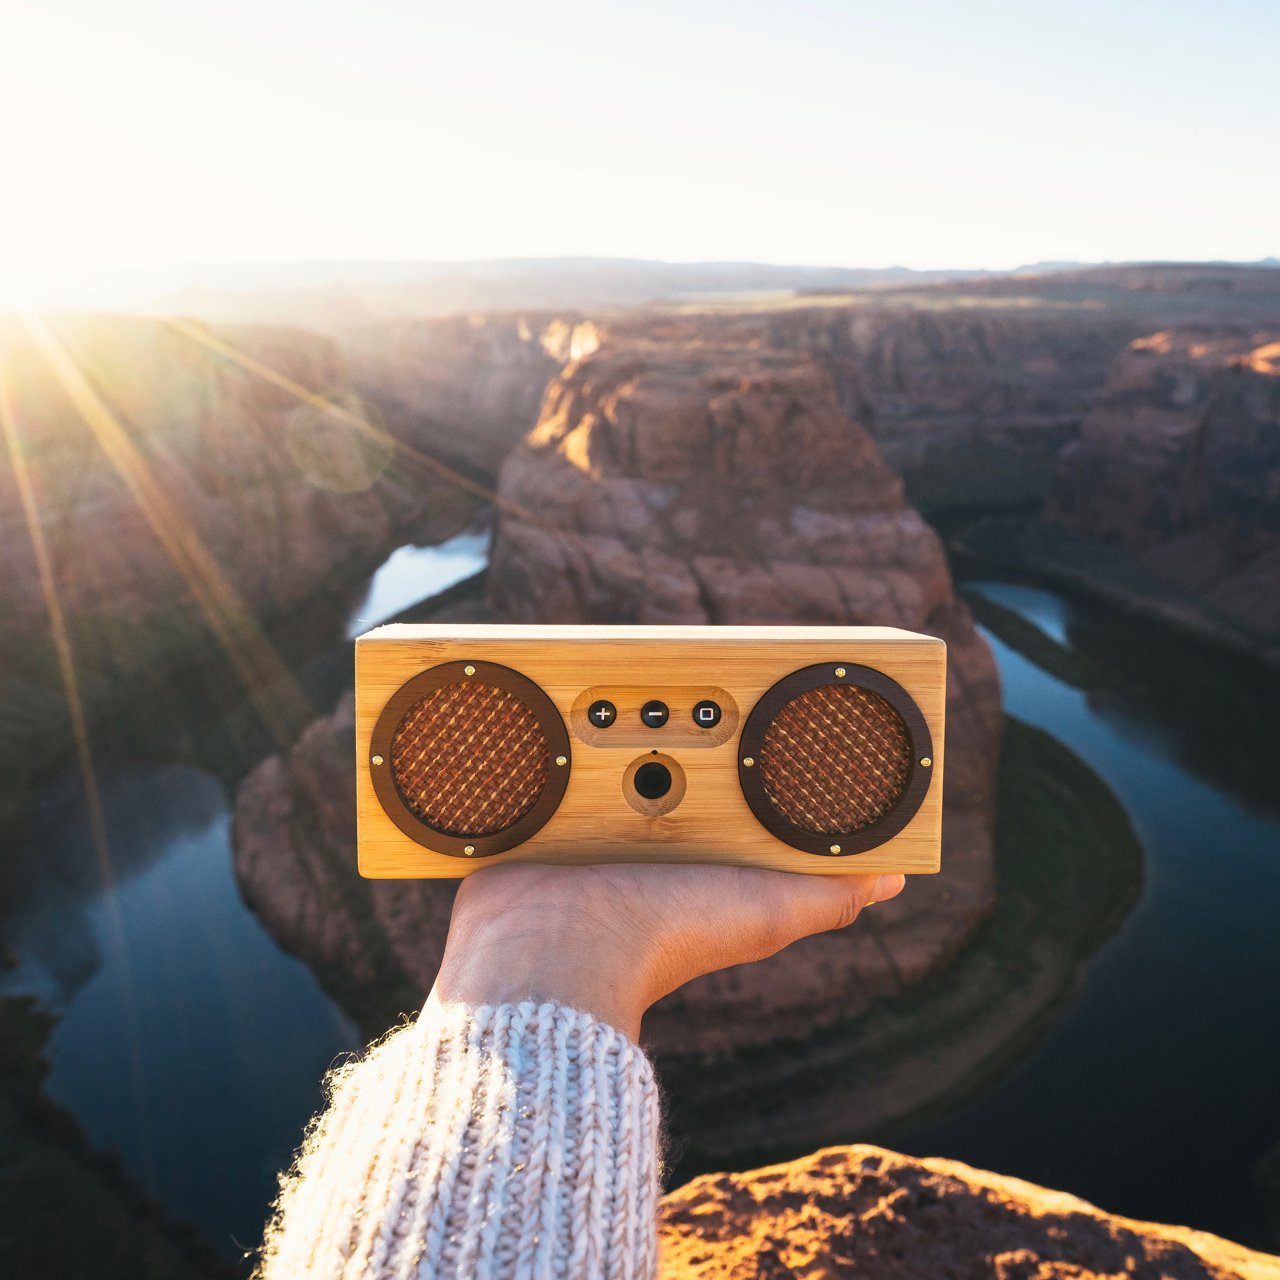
[(810, 749)]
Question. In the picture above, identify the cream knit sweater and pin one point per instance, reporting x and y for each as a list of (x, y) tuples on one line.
[(501, 1141)]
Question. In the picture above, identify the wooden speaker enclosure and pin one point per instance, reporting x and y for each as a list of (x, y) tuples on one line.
[(588, 811)]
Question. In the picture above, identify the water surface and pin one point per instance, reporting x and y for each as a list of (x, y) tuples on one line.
[(1159, 1089), (412, 573), (187, 1042)]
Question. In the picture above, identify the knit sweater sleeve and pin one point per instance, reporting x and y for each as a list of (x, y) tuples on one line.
[(492, 1142)]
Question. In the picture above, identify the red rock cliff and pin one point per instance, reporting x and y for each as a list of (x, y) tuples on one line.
[(970, 405), (1179, 469), (723, 486), (466, 388), (184, 496)]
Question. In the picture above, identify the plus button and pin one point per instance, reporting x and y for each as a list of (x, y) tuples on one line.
[(602, 713)]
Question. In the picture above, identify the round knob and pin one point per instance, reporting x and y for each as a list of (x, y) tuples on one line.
[(652, 780)]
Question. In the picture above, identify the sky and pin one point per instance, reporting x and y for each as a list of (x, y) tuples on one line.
[(913, 132)]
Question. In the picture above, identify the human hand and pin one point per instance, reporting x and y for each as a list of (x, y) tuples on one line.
[(613, 939)]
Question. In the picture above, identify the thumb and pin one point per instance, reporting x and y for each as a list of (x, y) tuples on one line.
[(834, 902)]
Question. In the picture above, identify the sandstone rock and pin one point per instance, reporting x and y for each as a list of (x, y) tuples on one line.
[(973, 407), (861, 1211), (203, 498), (375, 943), (671, 488), (279, 493), (1179, 469), (465, 388), (727, 486), (969, 405), (971, 388)]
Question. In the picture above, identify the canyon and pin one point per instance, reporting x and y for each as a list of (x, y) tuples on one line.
[(738, 465), (181, 503), (783, 461), (1178, 469), (668, 487), (715, 485), (976, 393)]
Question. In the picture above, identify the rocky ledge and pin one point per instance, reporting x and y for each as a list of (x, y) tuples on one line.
[(861, 1211)]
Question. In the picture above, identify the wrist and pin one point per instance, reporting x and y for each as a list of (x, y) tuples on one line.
[(547, 955)]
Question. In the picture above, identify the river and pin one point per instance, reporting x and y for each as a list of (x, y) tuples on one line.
[(1158, 1092), (189, 1044)]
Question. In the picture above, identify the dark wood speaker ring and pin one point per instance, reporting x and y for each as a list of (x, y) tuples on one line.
[(469, 758), (830, 759)]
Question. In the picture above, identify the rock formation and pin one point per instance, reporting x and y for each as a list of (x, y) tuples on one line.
[(724, 487), (185, 497), (466, 388), (971, 388), (1178, 468), (727, 486), (375, 943), (278, 492), (860, 1211), (969, 405)]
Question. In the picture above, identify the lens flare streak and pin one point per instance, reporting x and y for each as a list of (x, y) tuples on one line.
[(197, 333), (65, 655), (275, 694)]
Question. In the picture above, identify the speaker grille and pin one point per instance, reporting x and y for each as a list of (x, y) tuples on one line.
[(835, 759), (470, 759)]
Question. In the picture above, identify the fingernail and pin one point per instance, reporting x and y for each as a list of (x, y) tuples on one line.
[(887, 887)]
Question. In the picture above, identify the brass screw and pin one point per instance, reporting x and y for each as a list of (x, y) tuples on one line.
[(562, 761), (377, 759), (835, 848), (925, 762), (840, 672), (468, 849), (468, 670), (748, 762)]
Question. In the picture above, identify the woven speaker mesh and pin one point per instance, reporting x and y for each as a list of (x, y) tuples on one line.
[(835, 759), (470, 759)]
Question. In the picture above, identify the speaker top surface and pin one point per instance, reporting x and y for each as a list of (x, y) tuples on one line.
[(628, 633)]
